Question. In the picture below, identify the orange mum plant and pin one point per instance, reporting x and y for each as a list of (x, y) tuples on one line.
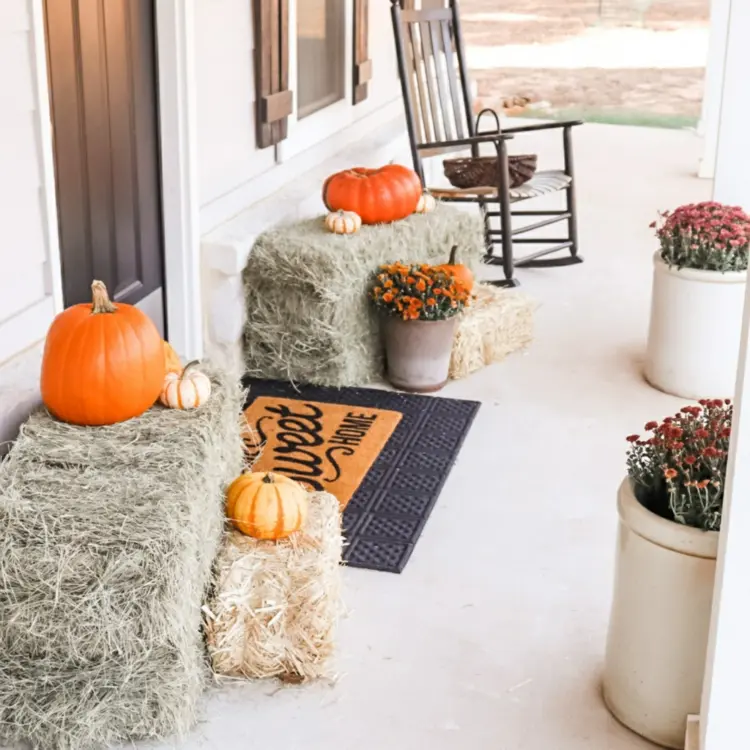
[(418, 292)]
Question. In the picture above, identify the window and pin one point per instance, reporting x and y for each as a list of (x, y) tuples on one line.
[(312, 68), (321, 55), (320, 61)]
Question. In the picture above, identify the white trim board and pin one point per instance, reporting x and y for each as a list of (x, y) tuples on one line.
[(327, 122), (692, 733), (713, 86), (48, 196), (180, 204)]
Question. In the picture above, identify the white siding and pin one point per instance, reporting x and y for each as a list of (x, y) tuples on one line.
[(233, 173), (28, 248), (227, 156), (24, 282), (384, 86)]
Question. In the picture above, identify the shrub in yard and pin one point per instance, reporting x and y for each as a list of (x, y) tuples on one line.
[(679, 469), (708, 236)]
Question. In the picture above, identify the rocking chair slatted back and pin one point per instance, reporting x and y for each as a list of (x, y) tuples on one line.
[(432, 69)]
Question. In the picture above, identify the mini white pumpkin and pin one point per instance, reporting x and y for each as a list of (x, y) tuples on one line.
[(343, 222), (185, 390), (427, 203)]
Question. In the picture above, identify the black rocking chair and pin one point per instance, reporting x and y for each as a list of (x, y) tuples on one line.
[(437, 99)]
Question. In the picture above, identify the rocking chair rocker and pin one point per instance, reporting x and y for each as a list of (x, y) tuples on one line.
[(438, 104)]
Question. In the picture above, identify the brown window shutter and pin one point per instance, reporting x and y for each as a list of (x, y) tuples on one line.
[(273, 99), (362, 72)]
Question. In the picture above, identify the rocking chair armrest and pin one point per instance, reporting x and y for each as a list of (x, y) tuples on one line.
[(470, 141), (543, 126)]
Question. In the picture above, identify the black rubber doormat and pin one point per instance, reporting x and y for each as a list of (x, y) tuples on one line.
[(388, 510)]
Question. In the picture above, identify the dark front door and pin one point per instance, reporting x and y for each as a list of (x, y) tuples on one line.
[(102, 67)]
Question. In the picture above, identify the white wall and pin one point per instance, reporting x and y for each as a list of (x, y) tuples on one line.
[(232, 172), (227, 157), (28, 299), (384, 86)]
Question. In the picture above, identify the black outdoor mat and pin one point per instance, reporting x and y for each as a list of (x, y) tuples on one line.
[(387, 513)]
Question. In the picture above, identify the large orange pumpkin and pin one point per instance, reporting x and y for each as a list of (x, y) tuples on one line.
[(377, 195), (461, 273), (103, 362), (266, 506)]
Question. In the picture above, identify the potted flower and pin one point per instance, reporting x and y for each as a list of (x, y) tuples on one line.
[(669, 510), (697, 302), (419, 305)]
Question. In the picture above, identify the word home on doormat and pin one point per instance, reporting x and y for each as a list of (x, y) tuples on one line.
[(326, 447)]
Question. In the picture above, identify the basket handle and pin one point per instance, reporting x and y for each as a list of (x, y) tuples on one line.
[(492, 112)]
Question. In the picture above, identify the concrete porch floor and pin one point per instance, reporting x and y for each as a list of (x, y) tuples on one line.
[(493, 637)]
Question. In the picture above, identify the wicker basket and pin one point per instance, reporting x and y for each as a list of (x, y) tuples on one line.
[(481, 171)]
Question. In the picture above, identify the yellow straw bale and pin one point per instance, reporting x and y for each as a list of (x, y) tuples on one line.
[(499, 322), (276, 605)]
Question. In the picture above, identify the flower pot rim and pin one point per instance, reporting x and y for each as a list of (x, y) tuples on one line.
[(388, 316), (699, 274), (667, 534)]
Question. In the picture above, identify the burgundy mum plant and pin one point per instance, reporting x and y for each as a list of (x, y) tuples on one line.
[(708, 236), (679, 469)]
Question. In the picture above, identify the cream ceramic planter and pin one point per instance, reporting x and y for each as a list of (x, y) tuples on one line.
[(694, 335), (418, 352), (658, 630)]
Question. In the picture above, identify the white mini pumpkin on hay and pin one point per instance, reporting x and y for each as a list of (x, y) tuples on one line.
[(427, 203), (185, 390), (343, 222)]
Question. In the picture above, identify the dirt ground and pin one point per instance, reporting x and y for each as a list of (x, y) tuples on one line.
[(654, 95)]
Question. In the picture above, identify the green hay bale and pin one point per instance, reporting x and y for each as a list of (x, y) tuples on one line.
[(308, 317), (108, 539)]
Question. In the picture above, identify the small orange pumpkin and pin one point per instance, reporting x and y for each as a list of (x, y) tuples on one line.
[(171, 358), (379, 196), (266, 506), (103, 362), (461, 273)]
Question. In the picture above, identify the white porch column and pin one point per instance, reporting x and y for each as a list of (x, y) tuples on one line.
[(724, 720), (713, 85)]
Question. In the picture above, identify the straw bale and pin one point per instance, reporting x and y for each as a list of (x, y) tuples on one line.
[(276, 605), (108, 539), (308, 317), (499, 322)]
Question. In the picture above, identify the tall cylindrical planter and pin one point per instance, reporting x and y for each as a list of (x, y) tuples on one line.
[(694, 334), (418, 352), (658, 630)]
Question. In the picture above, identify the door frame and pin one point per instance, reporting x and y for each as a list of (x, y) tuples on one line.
[(179, 174)]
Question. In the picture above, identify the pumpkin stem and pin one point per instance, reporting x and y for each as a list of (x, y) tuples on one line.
[(188, 366), (100, 301), (268, 479), (452, 259)]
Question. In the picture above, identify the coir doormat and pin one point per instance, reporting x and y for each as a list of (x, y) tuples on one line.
[(385, 455)]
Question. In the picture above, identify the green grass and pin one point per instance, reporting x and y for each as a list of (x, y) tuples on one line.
[(618, 117)]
